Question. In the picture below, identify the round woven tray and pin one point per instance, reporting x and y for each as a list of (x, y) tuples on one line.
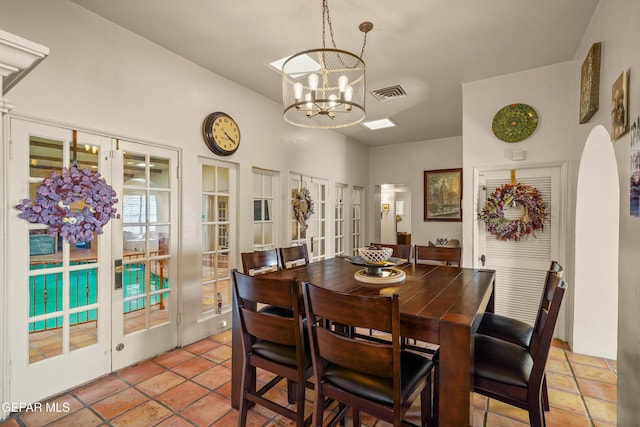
[(388, 275)]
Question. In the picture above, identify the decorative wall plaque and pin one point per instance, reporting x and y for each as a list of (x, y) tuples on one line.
[(590, 84), (620, 106), (515, 122)]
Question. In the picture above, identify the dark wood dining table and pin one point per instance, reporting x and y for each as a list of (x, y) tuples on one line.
[(438, 304)]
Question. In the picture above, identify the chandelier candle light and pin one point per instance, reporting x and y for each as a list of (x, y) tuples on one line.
[(325, 88)]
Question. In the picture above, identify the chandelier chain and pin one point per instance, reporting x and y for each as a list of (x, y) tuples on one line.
[(364, 43), (326, 19)]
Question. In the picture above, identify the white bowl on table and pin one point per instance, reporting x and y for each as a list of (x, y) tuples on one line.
[(378, 255)]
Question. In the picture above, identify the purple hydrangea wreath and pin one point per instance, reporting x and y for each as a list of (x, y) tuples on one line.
[(75, 204)]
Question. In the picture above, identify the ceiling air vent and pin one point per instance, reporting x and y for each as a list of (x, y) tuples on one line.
[(391, 92)]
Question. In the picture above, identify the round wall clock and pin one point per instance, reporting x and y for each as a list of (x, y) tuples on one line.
[(515, 122), (221, 133)]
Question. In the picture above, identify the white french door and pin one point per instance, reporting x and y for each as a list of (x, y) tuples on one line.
[(521, 265), (315, 232), (59, 292), (65, 319), (145, 247)]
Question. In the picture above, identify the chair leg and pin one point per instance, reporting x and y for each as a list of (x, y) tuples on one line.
[(291, 391), (545, 394), (425, 405), (536, 411), (300, 389), (356, 417), (343, 408), (436, 394), (244, 403), (318, 407)]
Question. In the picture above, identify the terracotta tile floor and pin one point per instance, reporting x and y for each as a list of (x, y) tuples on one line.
[(191, 386)]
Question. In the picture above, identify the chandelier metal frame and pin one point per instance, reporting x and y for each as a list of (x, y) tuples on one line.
[(326, 87)]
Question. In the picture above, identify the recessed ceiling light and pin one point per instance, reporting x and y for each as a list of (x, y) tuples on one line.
[(378, 124)]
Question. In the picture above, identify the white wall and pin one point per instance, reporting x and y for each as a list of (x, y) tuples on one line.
[(615, 24), (101, 77), (596, 248), (554, 92), (405, 164), (547, 91), (3, 291)]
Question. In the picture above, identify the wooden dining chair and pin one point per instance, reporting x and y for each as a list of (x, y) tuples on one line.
[(293, 256), (516, 331), (273, 343), (513, 374), (378, 378), (399, 251), (440, 255), (510, 329), (258, 262)]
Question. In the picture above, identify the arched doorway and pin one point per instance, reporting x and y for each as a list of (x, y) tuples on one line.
[(595, 322)]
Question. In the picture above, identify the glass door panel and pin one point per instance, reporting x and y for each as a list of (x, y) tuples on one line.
[(215, 244), (314, 232), (59, 326), (145, 316)]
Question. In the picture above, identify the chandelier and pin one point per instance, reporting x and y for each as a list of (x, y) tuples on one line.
[(325, 88)]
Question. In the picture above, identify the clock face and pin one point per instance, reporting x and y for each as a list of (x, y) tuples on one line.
[(515, 122), (221, 133)]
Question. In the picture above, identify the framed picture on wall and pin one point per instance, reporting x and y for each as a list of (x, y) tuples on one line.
[(443, 195), (590, 84), (634, 173), (620, 106)]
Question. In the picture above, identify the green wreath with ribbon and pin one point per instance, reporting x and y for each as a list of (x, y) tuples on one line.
[(533, 218)]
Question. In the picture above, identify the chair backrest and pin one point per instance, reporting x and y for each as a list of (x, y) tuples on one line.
[(251, 291), (554, 268), (293, 256), (272, 340), (438, 254), (259, 262), (381, 313), (554, 290), (399, 251)]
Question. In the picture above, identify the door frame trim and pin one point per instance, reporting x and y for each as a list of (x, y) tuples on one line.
[(563, 186), (149, 151)]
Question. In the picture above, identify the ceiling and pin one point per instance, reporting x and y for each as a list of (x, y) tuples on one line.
[(429, 47)]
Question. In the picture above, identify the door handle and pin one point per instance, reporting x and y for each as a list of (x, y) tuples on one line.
[(483, 259), (311, 244), (117, 273)]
